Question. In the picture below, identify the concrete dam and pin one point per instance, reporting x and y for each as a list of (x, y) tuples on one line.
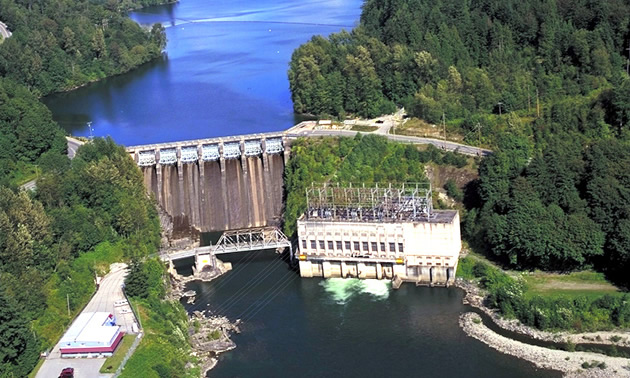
[(217, 184)]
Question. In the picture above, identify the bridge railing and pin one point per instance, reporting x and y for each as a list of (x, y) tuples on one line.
[(251, 239)]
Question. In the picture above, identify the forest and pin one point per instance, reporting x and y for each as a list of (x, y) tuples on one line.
[(63, 44), (462, 58), (544, 81), (86, 213), (364, 159)]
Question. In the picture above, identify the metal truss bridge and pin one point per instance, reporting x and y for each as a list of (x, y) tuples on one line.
[(245, 240)]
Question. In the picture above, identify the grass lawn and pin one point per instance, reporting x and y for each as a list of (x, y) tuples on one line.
[(420, 128), (36, 369), (585, 283), (364, 128), (112, 363)]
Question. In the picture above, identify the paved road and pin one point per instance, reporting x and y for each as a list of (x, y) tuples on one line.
[(110, 290), (446, 145), (4, 31), (73, 146)]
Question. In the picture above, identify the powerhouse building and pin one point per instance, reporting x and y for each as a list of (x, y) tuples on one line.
[(387, 232)]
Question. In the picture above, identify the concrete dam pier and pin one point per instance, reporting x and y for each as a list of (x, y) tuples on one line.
[(217, 184)]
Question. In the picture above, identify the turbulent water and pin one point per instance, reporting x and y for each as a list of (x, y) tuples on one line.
[(341, 290), (294, 327)]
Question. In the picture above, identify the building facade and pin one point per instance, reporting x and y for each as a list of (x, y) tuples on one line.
[(403, 238)]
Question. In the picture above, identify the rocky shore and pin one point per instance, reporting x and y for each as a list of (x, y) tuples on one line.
[(209, 335), (571, 364), (475, 297)]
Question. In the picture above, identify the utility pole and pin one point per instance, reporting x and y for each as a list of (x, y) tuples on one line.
[(444, 124), (478, 127), (529, 101), (68, 301), (537, 105), (500, 103)]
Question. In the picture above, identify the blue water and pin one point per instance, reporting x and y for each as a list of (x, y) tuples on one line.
[(294, 327), (224, 72)]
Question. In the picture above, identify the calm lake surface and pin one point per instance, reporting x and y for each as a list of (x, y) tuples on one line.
[(225, 73)]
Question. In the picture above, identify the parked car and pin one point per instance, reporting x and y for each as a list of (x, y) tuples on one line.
[(67, 373)]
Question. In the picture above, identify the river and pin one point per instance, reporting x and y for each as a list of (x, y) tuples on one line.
[(225, 72), (295, 327)]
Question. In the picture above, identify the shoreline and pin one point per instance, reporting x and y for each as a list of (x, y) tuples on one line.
[(209, 334), (570, 364), (475, 296)]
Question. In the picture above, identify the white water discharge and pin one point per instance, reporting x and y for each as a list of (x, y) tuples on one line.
[(342, 289)]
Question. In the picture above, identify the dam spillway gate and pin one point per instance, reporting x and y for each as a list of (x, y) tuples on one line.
[(217, 184)]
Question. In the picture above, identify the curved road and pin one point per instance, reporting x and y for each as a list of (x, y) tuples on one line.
[(445, 145), (73, 146), (4, 31)]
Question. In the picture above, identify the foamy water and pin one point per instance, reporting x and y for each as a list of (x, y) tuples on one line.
[(342, 290)]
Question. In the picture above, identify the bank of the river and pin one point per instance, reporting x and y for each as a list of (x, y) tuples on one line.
[(572, 364), (209, 335), (475, 297)]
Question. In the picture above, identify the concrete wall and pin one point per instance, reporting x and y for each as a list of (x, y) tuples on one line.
[(424, 252), (219, 195)]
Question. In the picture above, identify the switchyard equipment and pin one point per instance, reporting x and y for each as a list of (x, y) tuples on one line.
[(383, 232), (360, 203)]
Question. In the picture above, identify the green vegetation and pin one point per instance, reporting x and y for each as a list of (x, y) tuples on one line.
[(585, 283), (594, 364), (59, 45), (84, 216), (112, 363), (214, 335), (364, 159), (164, 350), (471, 61), (27, 131), (453, 190), (364, 128), (542, 82), (515, 298), (18, 347), (33, 372)]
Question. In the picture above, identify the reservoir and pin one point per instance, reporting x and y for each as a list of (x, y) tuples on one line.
[(225, 73)]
